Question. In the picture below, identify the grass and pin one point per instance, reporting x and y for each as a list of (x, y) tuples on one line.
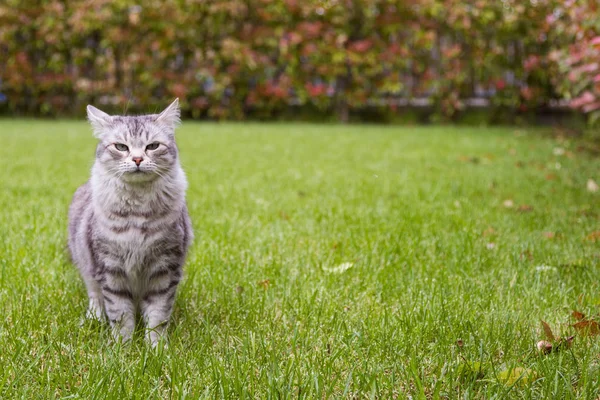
[(445, 279)]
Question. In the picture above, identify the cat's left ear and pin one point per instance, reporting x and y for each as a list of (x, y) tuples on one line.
[(170, 116), (98, 119)]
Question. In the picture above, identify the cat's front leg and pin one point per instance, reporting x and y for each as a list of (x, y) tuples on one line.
[(157, 302), (120, 309)]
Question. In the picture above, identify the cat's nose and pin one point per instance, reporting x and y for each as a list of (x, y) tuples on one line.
[(137, 160)]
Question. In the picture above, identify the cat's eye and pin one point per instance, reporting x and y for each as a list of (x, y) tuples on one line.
[(153, 146), (121, 147)]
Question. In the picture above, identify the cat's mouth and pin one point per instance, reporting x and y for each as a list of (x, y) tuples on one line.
[(138, 175)]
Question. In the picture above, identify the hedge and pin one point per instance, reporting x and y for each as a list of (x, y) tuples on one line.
[(234, 59)]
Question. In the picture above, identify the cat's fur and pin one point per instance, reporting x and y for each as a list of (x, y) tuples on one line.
[(129, 228)]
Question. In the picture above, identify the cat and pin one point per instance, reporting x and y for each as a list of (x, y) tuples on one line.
[(129, 227)]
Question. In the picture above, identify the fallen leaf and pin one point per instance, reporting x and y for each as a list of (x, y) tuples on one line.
[(549, 235), (594, 236), (525, 208), (587, 327), (471, 370), (489, 232), (460, 343), (577, 315), (526, 254), (265, 284), (548, 331), (565, 342), (550, 177), (517, 375), (508, 203), (592, 186)]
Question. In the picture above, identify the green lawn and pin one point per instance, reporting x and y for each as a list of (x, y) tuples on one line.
[(444, 275)]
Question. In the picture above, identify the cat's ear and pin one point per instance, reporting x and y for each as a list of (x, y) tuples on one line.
[(170, 116), (98, 119)]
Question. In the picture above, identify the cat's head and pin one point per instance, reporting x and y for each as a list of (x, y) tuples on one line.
[(136, 148)]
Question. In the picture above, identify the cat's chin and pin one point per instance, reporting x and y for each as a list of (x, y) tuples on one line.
[(138, 177)]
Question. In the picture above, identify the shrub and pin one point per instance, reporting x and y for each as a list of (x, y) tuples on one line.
[(579, 60), (261, 58)]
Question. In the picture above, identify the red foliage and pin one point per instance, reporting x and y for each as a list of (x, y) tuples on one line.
[(225, 58)]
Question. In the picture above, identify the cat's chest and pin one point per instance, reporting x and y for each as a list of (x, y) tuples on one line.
[(136, 239)]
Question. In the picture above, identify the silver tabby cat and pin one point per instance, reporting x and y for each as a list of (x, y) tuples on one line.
[(129, 228)]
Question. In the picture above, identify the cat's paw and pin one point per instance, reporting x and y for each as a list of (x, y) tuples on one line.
[(94, 311), (156, 337), (122, 332), (94, 314), (159, 344), (121, 337), (156, 340)]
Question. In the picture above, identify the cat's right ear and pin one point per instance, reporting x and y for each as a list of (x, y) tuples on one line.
[(98, 119)]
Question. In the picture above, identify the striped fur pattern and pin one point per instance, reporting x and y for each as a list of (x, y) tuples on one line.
[(129, 228)]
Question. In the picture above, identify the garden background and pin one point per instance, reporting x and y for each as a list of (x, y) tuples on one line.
[(374, 60)]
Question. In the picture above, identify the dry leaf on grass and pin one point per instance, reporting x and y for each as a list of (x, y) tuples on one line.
[(525, 208), (489, 232), (587, 327), (526, 255), (592, 186), (517, 375), (265, 284), (553, 343), (577, 315), (594, 236), (548, 331)]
